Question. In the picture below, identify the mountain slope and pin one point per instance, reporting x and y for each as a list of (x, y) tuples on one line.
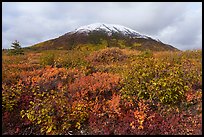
[(113, 35), (110, 29)]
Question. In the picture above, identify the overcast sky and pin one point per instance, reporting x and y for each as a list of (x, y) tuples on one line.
[(175, 23)]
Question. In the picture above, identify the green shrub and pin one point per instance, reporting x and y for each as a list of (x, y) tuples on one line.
[(158, 80), (48, 112), (146, 54), (10, 97), (71, 59), (47, 58)]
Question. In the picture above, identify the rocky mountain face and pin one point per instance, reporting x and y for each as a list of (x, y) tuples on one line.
[(97, 33)]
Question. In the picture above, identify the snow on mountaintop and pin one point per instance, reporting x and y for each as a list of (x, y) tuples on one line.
[(110, 28)]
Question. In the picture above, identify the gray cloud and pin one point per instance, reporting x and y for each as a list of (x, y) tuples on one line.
[(178, 24), (186, 33)]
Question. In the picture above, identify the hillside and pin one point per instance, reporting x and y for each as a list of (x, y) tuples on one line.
[(102, 92), (110, 35)]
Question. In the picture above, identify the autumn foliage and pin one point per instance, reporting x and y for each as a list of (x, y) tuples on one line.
[(105, 92)]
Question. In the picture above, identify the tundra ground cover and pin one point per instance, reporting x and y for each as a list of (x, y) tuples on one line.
[(108, 91)]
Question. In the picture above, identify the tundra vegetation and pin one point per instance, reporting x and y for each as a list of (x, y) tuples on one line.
[(102, 90)]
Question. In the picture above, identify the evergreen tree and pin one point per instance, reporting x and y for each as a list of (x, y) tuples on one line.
[(16, 48)]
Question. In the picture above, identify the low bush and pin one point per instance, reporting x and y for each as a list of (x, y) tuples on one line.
[(108, 55), (71, 59), (161, 81), (56, 109), (146, 54), (47, 58), (154, 95)]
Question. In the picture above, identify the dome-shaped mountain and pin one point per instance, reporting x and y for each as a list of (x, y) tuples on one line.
[(114, 35), (110, 29)]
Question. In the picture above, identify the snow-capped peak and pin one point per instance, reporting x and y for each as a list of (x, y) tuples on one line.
[(109, 28)]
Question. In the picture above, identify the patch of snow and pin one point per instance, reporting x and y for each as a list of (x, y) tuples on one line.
[(109, 28)]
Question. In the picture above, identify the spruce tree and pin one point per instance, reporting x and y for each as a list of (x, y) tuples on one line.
[(16, 48)]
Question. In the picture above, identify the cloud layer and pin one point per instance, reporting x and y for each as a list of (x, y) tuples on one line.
[(178, 24)]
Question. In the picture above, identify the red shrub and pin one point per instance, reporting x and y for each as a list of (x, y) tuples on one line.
[(97, 86)]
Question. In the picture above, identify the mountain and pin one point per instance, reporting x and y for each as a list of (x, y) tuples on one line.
[(97, 33), (110, 29)]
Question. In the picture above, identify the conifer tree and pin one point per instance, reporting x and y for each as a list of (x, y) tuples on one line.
[(16, 48)]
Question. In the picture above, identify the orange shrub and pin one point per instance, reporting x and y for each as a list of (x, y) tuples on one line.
[(108, 55), (100, 85)]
